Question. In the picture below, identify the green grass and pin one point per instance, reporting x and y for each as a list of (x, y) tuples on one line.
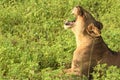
[(33, 42)]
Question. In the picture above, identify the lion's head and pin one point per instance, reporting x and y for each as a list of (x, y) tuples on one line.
[(84, 23)]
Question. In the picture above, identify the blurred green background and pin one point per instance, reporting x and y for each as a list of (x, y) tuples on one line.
[(33, 42)]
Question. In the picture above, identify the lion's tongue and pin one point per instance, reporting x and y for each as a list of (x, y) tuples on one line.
[(68, 23)]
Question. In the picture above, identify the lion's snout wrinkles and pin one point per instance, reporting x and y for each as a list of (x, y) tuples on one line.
[(91, 48)]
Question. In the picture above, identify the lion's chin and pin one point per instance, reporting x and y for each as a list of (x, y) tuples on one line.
[(67, 26)]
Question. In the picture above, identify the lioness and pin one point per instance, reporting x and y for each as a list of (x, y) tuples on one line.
[(91, 49)]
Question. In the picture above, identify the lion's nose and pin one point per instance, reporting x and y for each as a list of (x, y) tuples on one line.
[(74, 10)]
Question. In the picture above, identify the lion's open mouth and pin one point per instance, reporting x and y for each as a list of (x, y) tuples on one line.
[(70, 22), (76, 11)]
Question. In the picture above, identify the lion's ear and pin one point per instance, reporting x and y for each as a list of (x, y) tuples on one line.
[(98, 24), (93, 30)]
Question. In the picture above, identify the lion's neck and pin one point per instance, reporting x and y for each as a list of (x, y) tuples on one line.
[(82, 41), (85, 41)]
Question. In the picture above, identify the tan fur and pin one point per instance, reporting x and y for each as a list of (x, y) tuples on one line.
[(91, 49)]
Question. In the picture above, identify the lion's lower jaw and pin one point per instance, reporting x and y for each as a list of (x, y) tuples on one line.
[(67, 27)]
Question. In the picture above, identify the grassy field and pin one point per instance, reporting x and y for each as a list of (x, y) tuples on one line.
[(34, 44)]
